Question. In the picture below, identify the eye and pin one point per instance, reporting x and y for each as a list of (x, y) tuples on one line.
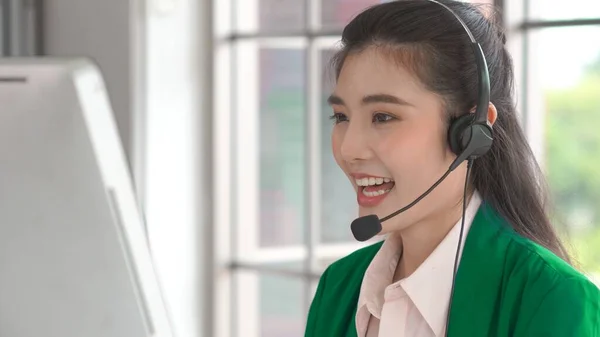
[(338, 117), (381, 118)]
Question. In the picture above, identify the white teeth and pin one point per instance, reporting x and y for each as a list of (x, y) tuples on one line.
[(375, 193), (372, 181)]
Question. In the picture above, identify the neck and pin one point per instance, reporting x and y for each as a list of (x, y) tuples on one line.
[(420, 239)]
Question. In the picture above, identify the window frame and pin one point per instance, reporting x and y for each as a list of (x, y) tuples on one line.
[(234, 204)]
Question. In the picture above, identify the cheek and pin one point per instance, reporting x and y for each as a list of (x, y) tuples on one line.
[(415, 150), (402, 145), (336, 144)]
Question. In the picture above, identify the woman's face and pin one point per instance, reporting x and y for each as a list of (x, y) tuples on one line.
[(389, 138)]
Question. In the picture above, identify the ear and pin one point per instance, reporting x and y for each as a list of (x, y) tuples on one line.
[(492, 114)]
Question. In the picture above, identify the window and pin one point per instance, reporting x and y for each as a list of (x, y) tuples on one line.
[(557, 49), (283, 209), (286, 214)]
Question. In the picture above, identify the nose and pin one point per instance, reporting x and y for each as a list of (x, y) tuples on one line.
[(355, 146)]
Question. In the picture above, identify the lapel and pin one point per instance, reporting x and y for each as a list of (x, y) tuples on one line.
[(479, 276)]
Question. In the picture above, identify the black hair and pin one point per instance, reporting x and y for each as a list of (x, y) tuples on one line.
[(427, 38)]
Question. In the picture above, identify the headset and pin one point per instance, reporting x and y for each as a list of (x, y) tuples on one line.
[(470, 136)]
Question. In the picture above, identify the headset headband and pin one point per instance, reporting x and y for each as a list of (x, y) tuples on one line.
[(483, 96)]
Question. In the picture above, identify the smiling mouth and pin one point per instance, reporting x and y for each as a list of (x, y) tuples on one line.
[(374, 187)]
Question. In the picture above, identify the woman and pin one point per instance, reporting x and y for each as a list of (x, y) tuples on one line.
[(405, 73)]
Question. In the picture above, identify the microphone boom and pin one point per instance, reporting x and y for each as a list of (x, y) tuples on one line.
[(366, 227)]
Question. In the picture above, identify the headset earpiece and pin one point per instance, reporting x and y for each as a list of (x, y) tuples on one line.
[(456, 131), (469, 139)]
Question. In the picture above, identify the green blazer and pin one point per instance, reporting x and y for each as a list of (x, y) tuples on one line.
[(506, 285)]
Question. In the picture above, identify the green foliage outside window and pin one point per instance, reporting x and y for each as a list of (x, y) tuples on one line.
[(573, 165)]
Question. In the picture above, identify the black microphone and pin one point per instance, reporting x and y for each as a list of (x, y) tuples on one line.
[(366, 227)]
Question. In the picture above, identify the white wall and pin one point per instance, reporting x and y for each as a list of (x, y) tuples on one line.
[(99, 29), (178, 170)]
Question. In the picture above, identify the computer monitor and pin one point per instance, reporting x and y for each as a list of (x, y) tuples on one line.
[(74, 258)]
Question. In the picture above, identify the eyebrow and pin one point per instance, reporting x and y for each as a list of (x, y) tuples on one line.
[(370, 99)]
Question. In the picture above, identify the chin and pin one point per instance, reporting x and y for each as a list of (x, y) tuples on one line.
[(364, 211)]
